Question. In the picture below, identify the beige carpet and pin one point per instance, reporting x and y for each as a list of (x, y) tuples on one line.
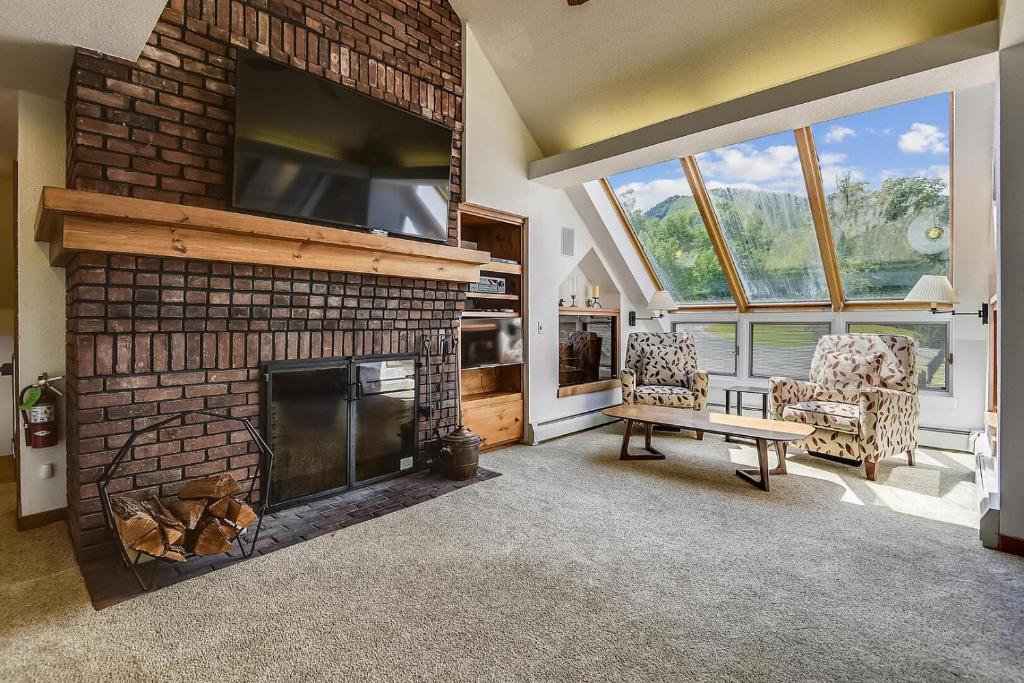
[(572, 566)]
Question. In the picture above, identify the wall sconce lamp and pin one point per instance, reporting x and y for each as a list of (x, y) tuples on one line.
[(659, 304), (936, 289)]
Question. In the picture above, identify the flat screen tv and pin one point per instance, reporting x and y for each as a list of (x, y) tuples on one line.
[(310, 150)]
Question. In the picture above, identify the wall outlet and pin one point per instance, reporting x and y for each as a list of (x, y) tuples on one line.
[(540, 327)]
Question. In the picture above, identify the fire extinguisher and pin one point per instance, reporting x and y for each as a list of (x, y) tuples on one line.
[(39, 411)]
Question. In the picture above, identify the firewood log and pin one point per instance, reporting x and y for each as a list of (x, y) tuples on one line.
[(189, 512), (218, 508), (217, 486), (236, 512), (213, 537), (175, 553), (132, 520), (151, 544), (172, 527), (241, 514)]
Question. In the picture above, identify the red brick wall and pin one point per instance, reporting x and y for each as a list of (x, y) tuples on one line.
[(161, 128), (148, 337)]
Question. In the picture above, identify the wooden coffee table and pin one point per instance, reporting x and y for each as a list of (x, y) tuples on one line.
[(757, 429)]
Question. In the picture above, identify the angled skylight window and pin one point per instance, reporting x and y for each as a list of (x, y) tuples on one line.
[(886, 178), (661, 211), (759, 195)]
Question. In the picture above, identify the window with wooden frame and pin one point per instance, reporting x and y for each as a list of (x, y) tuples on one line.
[(784, 349), (659, 208), (886, 179), (846, 214), (717, 353)]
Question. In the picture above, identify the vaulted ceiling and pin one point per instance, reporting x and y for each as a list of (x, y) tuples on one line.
[(582, 74)]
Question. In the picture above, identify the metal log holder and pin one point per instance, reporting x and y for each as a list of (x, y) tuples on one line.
[(263, 467)]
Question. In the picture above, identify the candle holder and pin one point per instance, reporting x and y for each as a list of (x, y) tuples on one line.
[(573, 304)]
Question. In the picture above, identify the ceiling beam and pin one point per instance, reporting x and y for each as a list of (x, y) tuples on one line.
[(958, 60)]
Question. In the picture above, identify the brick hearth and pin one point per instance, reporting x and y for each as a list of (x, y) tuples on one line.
[(109, 583)]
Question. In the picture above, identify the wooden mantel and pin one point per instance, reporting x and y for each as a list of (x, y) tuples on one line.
[(74, 221)]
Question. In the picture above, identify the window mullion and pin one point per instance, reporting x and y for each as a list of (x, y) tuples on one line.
[(819, 213), (707, 213)]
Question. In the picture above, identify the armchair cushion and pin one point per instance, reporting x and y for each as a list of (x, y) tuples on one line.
[(840, 370), (665, 366), (839, 417), (676, 397)]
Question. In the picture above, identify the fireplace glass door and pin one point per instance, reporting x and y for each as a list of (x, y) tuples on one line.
[(384, 417), (309, 430)]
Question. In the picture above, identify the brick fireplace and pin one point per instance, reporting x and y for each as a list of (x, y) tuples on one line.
[(152, 335), (148, 337)]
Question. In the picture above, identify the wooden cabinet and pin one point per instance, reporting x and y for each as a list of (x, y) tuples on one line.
[(497, 418), (492, 397)]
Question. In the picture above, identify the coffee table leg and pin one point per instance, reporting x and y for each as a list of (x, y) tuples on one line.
[(652, 452), (780, 450), (762, 467)]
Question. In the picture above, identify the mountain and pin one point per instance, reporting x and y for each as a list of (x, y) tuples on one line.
[(673, 204), (778, 208)]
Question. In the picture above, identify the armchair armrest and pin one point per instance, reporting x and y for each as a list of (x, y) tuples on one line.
[(628, 378), (783, 391), (699, 386), (888, 422)]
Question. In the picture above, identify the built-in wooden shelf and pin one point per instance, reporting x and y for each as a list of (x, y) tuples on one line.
[(489, 398), (488, 295), (499, 267), (492, 397), (490, 314), (74, 221), (584, 310)]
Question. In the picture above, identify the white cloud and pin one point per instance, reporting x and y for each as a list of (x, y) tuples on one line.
[(839, 133), (830, 158), (924, 138), (651, 193), (775, 169)]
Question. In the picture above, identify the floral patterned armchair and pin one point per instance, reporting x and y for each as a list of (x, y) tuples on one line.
[(661, 370), (861, 397)]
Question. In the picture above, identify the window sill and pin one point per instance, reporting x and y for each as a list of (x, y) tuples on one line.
[(588, 388)]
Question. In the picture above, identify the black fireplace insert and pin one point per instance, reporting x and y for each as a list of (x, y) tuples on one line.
[(338, 423)]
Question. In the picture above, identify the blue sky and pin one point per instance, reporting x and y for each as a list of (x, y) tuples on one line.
[(904, 139)]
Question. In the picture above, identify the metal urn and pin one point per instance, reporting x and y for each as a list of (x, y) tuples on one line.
[(460, 453)]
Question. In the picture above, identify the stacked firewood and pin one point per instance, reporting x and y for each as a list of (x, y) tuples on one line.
[(202, 519)]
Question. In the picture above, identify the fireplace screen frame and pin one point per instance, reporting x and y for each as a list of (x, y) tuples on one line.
[(350, 364)]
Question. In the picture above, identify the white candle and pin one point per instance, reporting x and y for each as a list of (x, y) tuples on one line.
[(597, 292), (572, 289)]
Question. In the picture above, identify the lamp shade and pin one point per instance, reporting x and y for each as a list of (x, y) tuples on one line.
[(935, 289), (661, 301)]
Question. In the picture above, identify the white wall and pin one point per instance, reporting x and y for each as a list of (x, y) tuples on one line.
[(497, 145), (41, 309), (498, 150), (1010, 237), (7, 414)]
